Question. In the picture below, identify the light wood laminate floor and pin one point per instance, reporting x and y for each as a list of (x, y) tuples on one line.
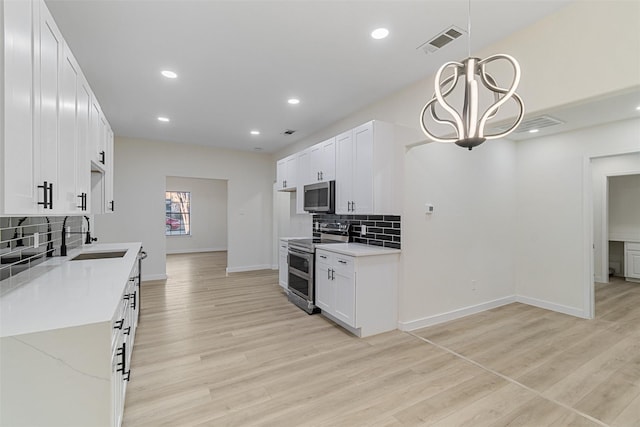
[(231, 351)]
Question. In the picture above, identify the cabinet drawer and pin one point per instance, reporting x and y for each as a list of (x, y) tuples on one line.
[(344, 265), (630, 246)]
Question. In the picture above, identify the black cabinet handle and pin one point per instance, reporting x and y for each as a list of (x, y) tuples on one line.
[(342, 262), (118, 324), (102, 157), (329, 273), (127, 330), (133, 304), (122, 352), (83, 201), (323, 257), (113, 205), (47, 195), (333, 274), (321, 176)]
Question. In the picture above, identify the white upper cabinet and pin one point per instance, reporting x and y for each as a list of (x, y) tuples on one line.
[(323, 161), (344, 172), (48, 65), (303, 161), (48, 113), (18, 188), (286, 171), (367, 170)]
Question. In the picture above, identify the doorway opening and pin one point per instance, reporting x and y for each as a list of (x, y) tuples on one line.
[(207, 216), (616, 221)]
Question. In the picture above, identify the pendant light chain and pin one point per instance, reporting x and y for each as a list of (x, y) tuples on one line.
[(469, 31)]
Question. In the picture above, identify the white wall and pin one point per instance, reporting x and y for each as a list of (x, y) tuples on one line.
[(141, 168), (601, 168), (208, 215), (554, 213), (469, 237), (624, 205)]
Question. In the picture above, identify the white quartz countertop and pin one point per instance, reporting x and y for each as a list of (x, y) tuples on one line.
[(286, 239), (64, 293), (357, 249)]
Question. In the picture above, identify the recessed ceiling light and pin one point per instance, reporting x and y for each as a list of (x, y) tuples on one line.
[(169, 74), (163, 119), (255, 132), (638, 108), (534, 130), (293, 101), (379, 33)]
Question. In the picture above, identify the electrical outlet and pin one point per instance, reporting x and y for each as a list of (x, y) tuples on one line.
[(363, 230), (67, 230), (36, 240)]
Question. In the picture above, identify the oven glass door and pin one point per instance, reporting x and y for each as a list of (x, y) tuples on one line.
[(300, 262), (300, 285)]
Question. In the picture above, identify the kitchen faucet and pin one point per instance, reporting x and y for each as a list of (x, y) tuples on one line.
[(87, 241)]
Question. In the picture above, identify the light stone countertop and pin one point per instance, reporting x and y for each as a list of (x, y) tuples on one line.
[(64, 293), (357, 249)]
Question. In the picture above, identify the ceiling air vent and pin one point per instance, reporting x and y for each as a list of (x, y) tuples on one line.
[(442, 39), (288, 132), (539, 122)]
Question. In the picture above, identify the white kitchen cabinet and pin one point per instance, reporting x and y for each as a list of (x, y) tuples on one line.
[(367, 170), (283, 265), (323, 161), (71, 376), (286, 170), (632, 261), (47, 132), (325, 284), (19, 181), (73, 164), (358, 292), (303, 163), (110, 204)]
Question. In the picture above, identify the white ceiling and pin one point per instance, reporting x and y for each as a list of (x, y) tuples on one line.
[(239, 61)]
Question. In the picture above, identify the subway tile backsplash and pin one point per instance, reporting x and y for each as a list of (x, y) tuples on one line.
[(18, 251), (382, 230)]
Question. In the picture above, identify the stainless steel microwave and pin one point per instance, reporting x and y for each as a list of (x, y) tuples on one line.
[(320, 197)]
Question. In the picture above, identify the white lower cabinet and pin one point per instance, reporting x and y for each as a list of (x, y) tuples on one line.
[(74, 376), (632, 261), (283, 265), (358, 292)]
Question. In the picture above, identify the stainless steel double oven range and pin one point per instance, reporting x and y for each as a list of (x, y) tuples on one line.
[(301, 258)]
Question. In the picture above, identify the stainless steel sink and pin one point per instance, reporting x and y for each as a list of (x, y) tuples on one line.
[(99, 255)]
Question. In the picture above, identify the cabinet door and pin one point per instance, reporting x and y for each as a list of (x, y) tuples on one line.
[(315, 167), (97, 145), (48, 61), (303, 178), (363, 169), (292, 171), (283, 266), (325, 285), (345, 291), (19, 181), (83, 168), (328, 160), (108, 174), (67, 160), (632, 264), (281, 166), (344, 172)]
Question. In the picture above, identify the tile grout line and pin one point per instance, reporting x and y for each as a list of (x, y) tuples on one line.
[(509, 379)]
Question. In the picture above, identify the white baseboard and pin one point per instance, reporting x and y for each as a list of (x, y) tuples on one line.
[(455, 314), (193, 251), (572, 311), (147, 277), (248, 268)]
